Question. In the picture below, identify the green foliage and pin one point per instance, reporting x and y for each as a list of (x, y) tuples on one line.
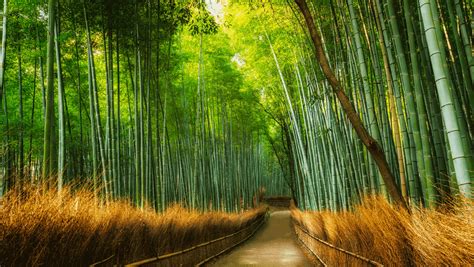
[(201, 21), (212, 107), (218, 131)]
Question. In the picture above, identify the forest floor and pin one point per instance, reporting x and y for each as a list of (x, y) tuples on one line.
[(273, 245)]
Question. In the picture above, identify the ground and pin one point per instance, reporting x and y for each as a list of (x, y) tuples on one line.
[(274, 245)]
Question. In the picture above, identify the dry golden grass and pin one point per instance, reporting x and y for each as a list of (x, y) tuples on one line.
[(388, 235), (43, 229)]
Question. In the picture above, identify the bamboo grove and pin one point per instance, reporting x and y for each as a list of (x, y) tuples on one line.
[(406, 67), (165, 101), (94, 92)]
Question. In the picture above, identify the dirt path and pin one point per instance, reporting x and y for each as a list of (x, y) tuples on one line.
[(273, 245)]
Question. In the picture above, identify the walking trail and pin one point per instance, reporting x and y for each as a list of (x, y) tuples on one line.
[(273, 245)]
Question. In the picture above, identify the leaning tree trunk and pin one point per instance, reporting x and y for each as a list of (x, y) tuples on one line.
[(369, 142)]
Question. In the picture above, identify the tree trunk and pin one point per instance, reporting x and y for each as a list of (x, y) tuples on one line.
[(369, 142)]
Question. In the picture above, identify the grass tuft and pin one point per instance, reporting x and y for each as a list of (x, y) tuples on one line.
[(44, 229), (381, 232)]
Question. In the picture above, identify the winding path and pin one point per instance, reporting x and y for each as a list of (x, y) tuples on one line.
[(274, 245)]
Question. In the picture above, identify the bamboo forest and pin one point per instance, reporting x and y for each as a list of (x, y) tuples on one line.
[(236, 133)]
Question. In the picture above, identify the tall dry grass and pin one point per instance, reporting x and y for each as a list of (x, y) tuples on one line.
[(44, 229), (388, 235)]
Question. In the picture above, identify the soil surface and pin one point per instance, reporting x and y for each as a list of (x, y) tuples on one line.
[(273, 245)]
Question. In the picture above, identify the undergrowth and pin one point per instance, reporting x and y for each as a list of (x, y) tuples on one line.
[(44, 229), (381, 232)]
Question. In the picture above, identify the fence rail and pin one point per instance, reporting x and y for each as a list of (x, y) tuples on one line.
[(256, 224), (312, 252), (349, 253), (102, 262), (233, 246), (253, 227)]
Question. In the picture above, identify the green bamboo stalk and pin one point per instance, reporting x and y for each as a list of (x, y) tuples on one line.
[(94, 98), (138, 158), (458, 153), (48, 145), (429, 178), (466, 41), (61, 116), (21, 152), (93, 131), (3, 49), (391, 99)]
